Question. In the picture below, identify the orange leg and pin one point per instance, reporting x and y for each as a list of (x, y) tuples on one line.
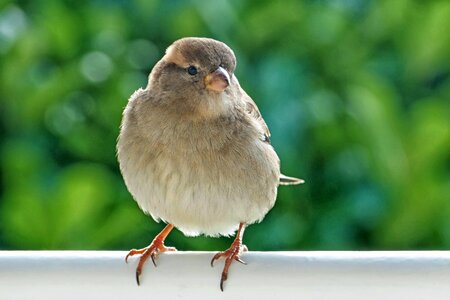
[(231, 254), (157, 246)]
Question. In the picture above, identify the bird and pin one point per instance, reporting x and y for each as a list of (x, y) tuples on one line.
[(195, 152)]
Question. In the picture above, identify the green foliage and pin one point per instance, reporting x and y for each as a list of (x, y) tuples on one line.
[(356, 93)]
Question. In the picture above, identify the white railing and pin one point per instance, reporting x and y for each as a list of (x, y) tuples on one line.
[(188, 275)]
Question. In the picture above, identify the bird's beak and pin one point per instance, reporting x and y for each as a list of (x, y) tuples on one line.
[(218, 80)]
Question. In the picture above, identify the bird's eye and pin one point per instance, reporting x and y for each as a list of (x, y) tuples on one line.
[(192, 70)]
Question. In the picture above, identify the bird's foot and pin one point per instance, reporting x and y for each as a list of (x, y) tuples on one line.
[(153, 250), (231, 254), (234, 252)]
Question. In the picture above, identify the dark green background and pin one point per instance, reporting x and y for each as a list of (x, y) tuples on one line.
[(356, 94)]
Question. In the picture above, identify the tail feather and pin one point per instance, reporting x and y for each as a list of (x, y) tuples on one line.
[(286, 180)]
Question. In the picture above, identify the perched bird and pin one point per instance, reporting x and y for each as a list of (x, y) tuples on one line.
[(195, 152)]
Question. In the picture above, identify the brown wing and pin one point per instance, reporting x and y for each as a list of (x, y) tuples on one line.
[(253, 110)]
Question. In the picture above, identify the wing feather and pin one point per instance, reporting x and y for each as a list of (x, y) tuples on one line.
[(254, 112)]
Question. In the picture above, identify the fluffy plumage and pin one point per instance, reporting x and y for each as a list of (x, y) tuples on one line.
[(193, 149)]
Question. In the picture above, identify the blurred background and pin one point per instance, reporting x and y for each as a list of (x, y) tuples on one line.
[(356, 94)]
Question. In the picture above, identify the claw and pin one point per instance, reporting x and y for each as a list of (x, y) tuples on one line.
[(137, 278), (240, 260), (153, 259), (134, 252), (216, 257), (222, 280)]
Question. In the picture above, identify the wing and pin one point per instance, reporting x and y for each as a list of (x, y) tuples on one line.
[(253, 111)]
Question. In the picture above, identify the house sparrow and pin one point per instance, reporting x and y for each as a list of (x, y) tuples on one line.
[(195, 152)]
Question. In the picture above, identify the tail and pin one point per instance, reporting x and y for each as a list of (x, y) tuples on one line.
[(286, 180)]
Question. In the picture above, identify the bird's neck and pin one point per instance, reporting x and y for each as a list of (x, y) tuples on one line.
[(212, 106)]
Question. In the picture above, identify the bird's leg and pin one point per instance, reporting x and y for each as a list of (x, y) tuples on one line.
[(157, 246), (231, 254)]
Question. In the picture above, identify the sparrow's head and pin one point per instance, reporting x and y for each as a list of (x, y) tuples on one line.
[(195, 66)]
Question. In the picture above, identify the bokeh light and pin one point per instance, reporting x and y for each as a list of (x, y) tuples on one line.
[(356, 95)]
